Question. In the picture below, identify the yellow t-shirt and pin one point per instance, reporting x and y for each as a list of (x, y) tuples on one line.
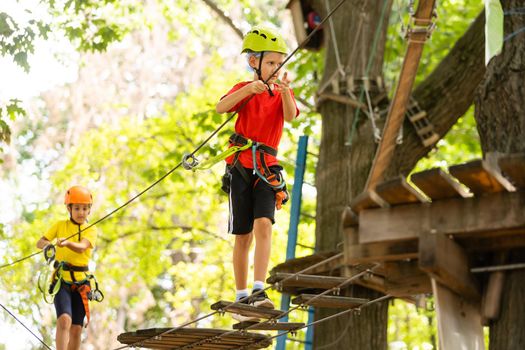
[(67, 228)]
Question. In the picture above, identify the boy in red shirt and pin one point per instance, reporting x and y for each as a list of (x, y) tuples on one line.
[(256, 189)]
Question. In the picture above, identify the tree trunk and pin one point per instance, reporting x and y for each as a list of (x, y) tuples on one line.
[(343, 170), (500, 116)]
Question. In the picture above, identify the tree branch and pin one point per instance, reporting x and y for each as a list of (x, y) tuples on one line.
[(226, 19)]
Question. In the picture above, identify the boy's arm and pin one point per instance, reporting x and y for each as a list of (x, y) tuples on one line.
[(77, 247), (42, 242), (229, 101), (289, 107)]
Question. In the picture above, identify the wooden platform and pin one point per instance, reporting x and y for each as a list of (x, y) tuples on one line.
[(246, 310), (149, 339), (437, 224)]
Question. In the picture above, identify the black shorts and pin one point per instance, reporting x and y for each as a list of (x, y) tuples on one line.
[(249, 202), (68, 302)]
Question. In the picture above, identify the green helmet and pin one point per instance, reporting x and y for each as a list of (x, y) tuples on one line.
[(261, 39)]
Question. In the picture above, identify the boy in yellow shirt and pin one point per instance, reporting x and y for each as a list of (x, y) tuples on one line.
[(72, 259)]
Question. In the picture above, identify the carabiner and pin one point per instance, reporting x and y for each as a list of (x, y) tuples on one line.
[(49, 253), (189, 161)]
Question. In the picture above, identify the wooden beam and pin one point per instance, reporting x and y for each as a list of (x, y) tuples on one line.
[(305, 281), (459, 320), (405, 278), (349, 218), (299, 264), (367, 200), (245, 310), (398, 191), (152, 338), (397, 109), (269, 326), (381, 251), (492, 214), (513, 166), (328, 301), (437, 184), (481, 177), (446, 262)]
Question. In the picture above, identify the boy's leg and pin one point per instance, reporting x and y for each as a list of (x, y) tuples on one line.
[(62, 332), (262, 230), (79, 313), (75, 336), (241, 250), (63, 307)]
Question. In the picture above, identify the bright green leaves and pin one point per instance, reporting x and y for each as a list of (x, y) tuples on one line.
[(18, 41)]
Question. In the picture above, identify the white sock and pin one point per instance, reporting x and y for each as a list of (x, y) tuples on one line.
[(258, 285), (241, 293)]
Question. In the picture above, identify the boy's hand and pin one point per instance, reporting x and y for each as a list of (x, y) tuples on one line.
[(256, 87), (62, 242), (284, 83)]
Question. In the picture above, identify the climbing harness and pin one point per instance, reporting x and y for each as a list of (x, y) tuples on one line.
[(57, 281), (275, 181)]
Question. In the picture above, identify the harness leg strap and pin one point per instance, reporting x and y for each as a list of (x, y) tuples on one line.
[(83, 290)]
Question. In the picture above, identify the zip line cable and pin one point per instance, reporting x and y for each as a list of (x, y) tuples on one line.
[(191, 155), (174, 329), (22, 323)]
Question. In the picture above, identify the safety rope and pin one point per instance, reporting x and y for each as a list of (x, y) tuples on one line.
[(236, 303), (367, 70), (22, 323), (356, 310), (202, 144), (340, 67)]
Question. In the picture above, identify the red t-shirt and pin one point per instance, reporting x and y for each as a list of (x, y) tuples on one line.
[(261, 120)]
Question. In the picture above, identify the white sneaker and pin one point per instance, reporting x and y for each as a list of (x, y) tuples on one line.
[(261, 300), (242, 318)]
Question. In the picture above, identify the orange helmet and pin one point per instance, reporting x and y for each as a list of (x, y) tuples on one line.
[(78, 195)]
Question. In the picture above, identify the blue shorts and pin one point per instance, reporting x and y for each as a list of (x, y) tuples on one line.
[(68, 302)]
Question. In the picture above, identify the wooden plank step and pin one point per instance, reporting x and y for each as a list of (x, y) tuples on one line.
[(419, 115), (480, 177), (437, 184), (398, 191), (328, 301), (368, 199), (305, 281), (150, 339), (513, 166), (269, 326), (246, 310)]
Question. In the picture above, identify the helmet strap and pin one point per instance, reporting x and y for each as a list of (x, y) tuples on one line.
[(259, 73)]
